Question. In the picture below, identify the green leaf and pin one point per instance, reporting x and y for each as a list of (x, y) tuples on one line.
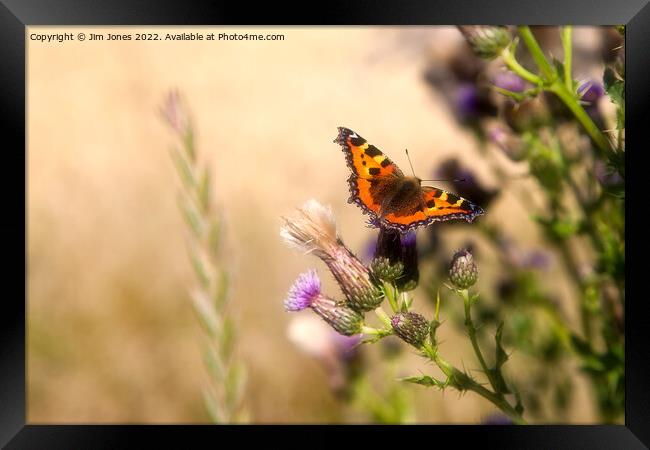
[(425, 380), (615, 88), (500, 359), (501, 356), (204, 191), (519, 407)]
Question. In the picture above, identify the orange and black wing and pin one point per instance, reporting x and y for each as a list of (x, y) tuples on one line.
[(426, 206), (443, 205), (374, 176)]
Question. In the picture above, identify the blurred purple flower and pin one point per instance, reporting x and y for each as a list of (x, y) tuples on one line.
[(606, 176), (470, 188), (339, 355), (590, 91), (347, 347), (468, 101), (497, 419), (510, 82), (507, 141), (524, 259)]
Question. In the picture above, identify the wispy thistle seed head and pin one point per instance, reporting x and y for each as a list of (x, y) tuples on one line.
[(410, 327), (463, 272), (487, 41), (304, 291), (313, 230)]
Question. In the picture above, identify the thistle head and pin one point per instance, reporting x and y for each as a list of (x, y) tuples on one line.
[(313, 230), (410, 327), (304, 292), (463, 272), (486, 41)]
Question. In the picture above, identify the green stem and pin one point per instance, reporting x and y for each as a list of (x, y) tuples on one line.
[(578, 111), (512, 63), (537, 53), (383, 317), (566, 44), (471, 330), (565, 93)]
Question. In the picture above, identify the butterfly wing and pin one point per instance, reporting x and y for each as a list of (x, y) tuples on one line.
[(373, 176), (443, 205), (426, 206), (379, 187)]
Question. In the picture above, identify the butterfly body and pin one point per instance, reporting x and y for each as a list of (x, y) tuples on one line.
[(394, 200)]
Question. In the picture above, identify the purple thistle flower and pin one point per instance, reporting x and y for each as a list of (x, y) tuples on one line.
[(304, 291), (510, 82)]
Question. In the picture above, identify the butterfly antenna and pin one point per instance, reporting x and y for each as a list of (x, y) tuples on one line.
[(447, 179), (410, 164)]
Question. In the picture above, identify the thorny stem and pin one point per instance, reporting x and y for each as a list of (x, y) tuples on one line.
[(453, 373), (566, 44), (471, 330)]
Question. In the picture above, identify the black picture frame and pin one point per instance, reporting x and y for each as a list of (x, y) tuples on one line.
[(15, 15)]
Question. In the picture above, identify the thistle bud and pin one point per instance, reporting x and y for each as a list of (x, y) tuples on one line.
[(383, 270), (410, 327), (463, 272), (486, 41), (401, 250), (343, 319)]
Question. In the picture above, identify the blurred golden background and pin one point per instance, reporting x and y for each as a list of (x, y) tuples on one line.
[(112, 336)]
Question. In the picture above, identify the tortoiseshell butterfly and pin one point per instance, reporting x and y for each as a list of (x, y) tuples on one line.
[(394, 200)]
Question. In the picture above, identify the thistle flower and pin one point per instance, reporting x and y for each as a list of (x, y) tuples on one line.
[(410, 327), (486, 41), (306, 293), (463, 272), (396, 259), (314, 230)]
